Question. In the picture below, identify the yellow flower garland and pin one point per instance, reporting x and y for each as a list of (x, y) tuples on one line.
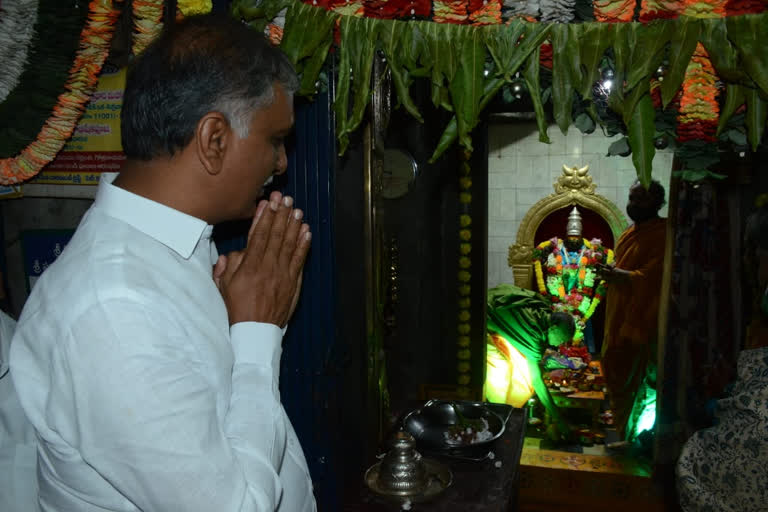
[(147, 20), (193, 7), (83, 76)]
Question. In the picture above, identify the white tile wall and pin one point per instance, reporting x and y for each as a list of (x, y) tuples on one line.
[(522, 171)]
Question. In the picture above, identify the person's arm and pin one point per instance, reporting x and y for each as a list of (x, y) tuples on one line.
[(546, 398), (138, 402)]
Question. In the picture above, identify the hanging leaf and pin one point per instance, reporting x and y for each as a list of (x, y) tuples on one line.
[(595, 39), (620, 63), (531, 76), (564, 57), (258, 14), (722, 54), (734, 98), (394, 42), (641, 130), (757, 110), (507, 48), (682, 45), (619, 147), (533, 37), (750, 36), (443, 59), (584, 123), (467, 84), (358, 42), (490, 89), (631, 100), (646, 45), (502, 41), (307, 49)]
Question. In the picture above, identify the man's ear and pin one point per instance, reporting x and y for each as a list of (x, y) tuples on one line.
[(212, 139)]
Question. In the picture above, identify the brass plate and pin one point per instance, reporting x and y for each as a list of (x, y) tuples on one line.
[(439, 477)]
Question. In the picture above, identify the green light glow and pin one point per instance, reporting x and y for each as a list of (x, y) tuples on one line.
[(508, 380)]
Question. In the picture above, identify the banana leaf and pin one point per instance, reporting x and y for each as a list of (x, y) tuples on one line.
[(397, 47), (509, 58), (441, 57), (358, 43), (682, 45), (641, 129), (749, 35), (724, 56), (595, 40), (734, 98), (531, 75), (307, 49), (757, 110), (646, 45), (565, 58), (467, 85)]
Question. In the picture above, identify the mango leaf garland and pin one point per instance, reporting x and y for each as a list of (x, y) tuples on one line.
[(531, 76), (467, 85), (402, 55)]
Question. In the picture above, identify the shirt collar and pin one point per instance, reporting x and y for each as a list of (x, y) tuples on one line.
[(176, 230)]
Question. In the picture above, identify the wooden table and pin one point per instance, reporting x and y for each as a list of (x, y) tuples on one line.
[(477, 486)]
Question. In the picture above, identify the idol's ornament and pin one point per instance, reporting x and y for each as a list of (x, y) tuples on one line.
[(567, 273)]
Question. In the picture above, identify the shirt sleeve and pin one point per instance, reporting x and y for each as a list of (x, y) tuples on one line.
[(139, 406)]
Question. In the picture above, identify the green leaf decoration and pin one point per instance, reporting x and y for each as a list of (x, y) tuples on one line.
[(308, 49), (256, 13), (490, 89), (646, 45), (750, 36), (682, 46), (619, 147), (441, 43), (734, 98), (584, 123), (466, 87), (531, 76), (565, 58), (51, 53), (641, 130), (595, 40), (502, 41), (358, 43), (724, 57), (401, 54), (757, 109)]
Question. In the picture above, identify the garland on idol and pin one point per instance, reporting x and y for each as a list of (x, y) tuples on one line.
[(572, 284)]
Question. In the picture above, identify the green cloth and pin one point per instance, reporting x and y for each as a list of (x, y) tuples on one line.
[(522, 317)]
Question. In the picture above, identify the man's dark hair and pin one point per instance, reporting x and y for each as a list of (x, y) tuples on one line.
[(563, 321), (656, 192), (203, 64)]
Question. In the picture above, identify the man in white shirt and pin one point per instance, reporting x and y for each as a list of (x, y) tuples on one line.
[(148, 365)]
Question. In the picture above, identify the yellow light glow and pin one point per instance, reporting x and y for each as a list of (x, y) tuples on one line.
[(507, 378)]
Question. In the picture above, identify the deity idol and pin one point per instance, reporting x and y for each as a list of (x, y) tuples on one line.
[(567, 273)]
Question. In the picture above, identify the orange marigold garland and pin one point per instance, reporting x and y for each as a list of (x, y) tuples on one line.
[(613, 11), (147, 20), (83, 77), (699, 110), (660, 9), (485, 12)]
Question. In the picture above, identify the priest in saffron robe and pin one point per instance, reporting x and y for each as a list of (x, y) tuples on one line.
[(632, 303)]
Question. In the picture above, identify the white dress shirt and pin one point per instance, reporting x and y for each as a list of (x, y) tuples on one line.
[(142, 396), (18, 455)]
